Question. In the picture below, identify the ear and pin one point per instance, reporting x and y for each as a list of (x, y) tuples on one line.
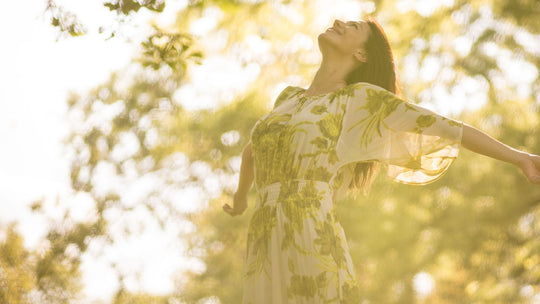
[(361, 55)]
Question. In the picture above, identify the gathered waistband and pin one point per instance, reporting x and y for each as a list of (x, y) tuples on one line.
[(269, 194)]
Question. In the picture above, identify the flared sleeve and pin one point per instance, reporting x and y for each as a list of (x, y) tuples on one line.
[(416, 144)]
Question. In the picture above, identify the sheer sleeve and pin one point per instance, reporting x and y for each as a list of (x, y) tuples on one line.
[(416, 144)]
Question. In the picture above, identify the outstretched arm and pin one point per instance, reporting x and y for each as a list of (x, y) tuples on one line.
[(244, 184), (480, 142)]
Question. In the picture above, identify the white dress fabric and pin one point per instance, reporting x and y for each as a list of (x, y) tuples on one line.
[(304, 151)]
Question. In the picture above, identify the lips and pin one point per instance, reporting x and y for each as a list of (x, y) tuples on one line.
[(334, 30)]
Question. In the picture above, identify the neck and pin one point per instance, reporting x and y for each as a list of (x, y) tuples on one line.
[(329, 77)]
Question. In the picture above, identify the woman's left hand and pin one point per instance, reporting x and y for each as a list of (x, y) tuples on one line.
[(239, 203), (530, 165)]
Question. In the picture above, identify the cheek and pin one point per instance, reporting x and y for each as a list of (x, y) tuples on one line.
[(350, 45)]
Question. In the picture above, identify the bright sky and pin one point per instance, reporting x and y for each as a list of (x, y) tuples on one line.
[(36, 75)]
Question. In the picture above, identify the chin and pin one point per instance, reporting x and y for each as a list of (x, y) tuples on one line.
[(325, 42), (324, 38), (324, 35)]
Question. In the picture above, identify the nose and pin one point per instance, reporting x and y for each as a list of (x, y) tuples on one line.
[(338, 23)]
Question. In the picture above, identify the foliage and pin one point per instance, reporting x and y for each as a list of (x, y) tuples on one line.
[(48, 275), (66, 21), (173, 49), (127, 6)]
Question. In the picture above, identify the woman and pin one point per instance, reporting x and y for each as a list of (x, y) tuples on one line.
[(317, 143)]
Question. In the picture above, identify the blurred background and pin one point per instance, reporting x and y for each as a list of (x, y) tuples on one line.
[(123, 122)]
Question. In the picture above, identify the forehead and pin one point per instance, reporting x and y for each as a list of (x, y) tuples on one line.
[(361, 24)]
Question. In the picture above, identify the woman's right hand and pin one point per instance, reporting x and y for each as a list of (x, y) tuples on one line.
[(239, 203), (530, 165)]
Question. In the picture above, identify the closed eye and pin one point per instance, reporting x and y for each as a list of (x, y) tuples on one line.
[(354, 24)]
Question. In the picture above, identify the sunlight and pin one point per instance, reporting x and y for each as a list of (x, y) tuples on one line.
[(230, 138), (215, 71), (209, 20), (424, 7), (144, 247), (98, 277), (423, 284), (346, 10), (463, 45), (529, 41), (290, 12)]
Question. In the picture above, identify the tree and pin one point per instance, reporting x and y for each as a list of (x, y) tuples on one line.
[(49, 274), (68, 23)]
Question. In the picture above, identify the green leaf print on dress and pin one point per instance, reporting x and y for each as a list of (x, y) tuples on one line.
[(298, 205), (380, 105), (261, 225), (333, 273), (273, 156), (424, 121), (302, 285), (319, 109), (415, 144), (303, 152), (306, 287), (272, 141), (329, 126), (329, 241)]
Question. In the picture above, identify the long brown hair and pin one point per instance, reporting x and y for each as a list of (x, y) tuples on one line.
[(380, 70)]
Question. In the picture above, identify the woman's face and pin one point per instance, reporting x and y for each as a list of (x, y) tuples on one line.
[(344, 38)]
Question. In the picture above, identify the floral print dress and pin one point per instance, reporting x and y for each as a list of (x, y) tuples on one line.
[(304, 153)]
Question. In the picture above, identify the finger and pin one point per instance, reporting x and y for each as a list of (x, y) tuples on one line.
[(534, 175), (530, 170), (536, 161), (534, 179), (232, 211), (227, 209)]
